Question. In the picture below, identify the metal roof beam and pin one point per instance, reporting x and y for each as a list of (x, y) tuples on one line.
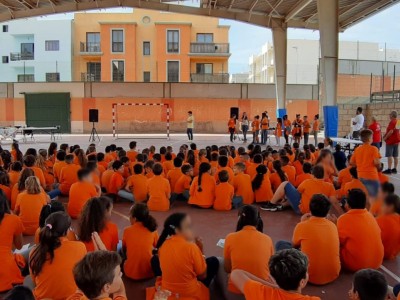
[(297, 8)]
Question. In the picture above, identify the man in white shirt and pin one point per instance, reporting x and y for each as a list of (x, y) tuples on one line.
[(358, 123), (190, 125)]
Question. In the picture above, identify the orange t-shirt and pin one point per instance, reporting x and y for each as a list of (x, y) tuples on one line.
[(315, 126), (79, 194), (302, 177), (359, 230), (14, 177), (159, 191), (138, 185), (10, 274), (298, 166), (254, 290), (290, 173), (242, 185), (264, 193), (275, 181), (40, 175), (376, 207), (390, 233), (318, 238), (6, 190), (173, 177), (29, 207), (264, 123), (57, 169), (116, 183), (106, 178), (353, 184), (131, 154), (168, 165), (56, 280), (248, 250), (230, 173), (306, 127), (68, 176), (183, 184), (363, 157), (223, 196), (80, 296), (251, 170), (344, 177), (231, 123), (383, 178), (311, 187), (139, 243), (256, 125), (181, 262), (109, 236), (206, 197), (278, 130)]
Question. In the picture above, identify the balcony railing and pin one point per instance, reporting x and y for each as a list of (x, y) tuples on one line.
[(90, 77), (210, 78), (16, 56), (90, 47), (209, 48)]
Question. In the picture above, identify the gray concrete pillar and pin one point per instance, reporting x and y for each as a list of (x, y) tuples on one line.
[(279, 35)]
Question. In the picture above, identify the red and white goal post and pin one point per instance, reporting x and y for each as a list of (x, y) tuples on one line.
[(115, 115)]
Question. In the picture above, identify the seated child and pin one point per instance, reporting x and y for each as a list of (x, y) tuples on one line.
[(15, 173), (224, 192), (369, 284), (182, 186), (261, 185), (5, 184), (168, 164), (174, 174), (223, 166), (117, 182), (307, 167), (288, 169), (159, 190), (68, 176), (289, 270), (355, 183), (132, 153), (202, 190), (137, 184), (387, 188), (242, 184)]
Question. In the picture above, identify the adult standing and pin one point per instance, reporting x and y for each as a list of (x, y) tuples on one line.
[(190, 125), (287, 125), (358, 123), (375, 127), (316, 129), (297, 126), (264, 128), (232, 127), (245, 126), (306, 129), (392, 139)]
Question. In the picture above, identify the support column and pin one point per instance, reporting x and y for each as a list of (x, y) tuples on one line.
[(279, 35), (328, 16)]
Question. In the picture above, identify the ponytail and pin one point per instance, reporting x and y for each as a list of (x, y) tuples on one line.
[(278, 169), (57, 225), (172, 223), (4, 209), (257, 181), (249, 215), (141, 213), (204, 168)]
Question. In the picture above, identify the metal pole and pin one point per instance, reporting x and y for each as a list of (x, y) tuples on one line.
[(24, 72), (370, 89), (383, 81), (394, 80)]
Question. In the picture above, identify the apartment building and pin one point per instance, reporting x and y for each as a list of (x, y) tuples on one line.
[(35, 50), (149, 46)]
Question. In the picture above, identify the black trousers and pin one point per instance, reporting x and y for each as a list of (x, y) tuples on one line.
[(232, 133), (189, 132)]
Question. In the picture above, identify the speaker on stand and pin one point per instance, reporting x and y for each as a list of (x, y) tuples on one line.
[(94, 118)]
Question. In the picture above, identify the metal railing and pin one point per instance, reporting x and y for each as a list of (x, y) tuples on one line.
[(209, 78), (90, 76), (220, 48), (90, 47), (16, 56)]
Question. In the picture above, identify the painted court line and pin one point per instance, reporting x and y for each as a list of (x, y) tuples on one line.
[(390, 273), (120, 215)]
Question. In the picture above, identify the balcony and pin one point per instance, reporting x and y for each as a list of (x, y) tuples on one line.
[(90, 77), (17, 56), (209, 49), (209, 78), (90, 49)]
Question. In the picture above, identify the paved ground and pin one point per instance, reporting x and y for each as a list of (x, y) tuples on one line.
[(212, 225)]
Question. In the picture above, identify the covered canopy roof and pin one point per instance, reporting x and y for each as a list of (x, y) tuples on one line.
[(267, 13)]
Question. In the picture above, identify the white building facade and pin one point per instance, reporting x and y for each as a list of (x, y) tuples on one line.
[(35, 50)]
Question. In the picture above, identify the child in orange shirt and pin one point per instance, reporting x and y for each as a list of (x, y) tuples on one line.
[(59, 164), (29, 162), (117, 182), (68, 176), (5, 184), (288, 169), (159, 190), (355, 183), (369, 284), (168, 163), (307, 167), (103, 280), (184, 182), (289, 268), (376, 206), (202, 190), (251, 169), (242, 184), (19, 187), (95, 217), (138, 242), (261, 185), (223, 162), (278, 176), (174, 174), (148, 168), (223, 192), (132, 153), (15, 173), (389, 222), (137, 184), (101, 161), (256, 129), (106, 177), (278, 131)]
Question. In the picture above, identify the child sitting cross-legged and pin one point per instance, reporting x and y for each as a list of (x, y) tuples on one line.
[(223, 192)]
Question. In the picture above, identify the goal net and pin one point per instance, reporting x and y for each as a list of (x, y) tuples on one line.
[(130, 119)]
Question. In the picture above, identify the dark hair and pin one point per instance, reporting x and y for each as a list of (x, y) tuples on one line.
[(178, 162), (61, 155), (204, 168), (186, 168), (359, 109), (353, 172), (117, 164), (393, 200), (278, 169), (284, 160), (93, 217), (249, 215), (257, 181), (141, 213), (191, 159), (307, 167), (172, 223), (95, 270), (223, 161), (52, 148), (31, 151), (19, 292), (91, 166), (223, 176), (57, 225), (149, 164), (124, 159), (138, 169), (132, 145), (4, 178), (357, 199), (388, 187), (258, 159), (288, 268), (319, 205), (23, 177), (29, 160), (4, 209), (16, 166), (100, 156), (82, 173), (48, 209), (318, 172), (157, 157), (157, 169), (15, 146), (69, 158), (370, 285)]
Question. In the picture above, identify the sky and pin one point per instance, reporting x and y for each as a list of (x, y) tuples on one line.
[(246, 40)]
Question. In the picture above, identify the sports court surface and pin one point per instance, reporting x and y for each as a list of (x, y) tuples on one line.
[(209, 224)]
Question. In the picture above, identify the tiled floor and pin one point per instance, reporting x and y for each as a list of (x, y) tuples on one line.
[(212, 225)]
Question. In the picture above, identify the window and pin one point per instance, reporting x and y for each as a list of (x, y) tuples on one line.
[(117, 40), (173, 41), (118, 70), (146, 48), (52, 45), (52, 77), (146, 76), (173, 71), (93, 72), (5, 59), (26, 78), (205, 38), (204, 68), (27, 51), (5, 28), (92, 42)]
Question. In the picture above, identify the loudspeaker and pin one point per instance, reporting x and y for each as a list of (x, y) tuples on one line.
[(234, 111), (94, 115)]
